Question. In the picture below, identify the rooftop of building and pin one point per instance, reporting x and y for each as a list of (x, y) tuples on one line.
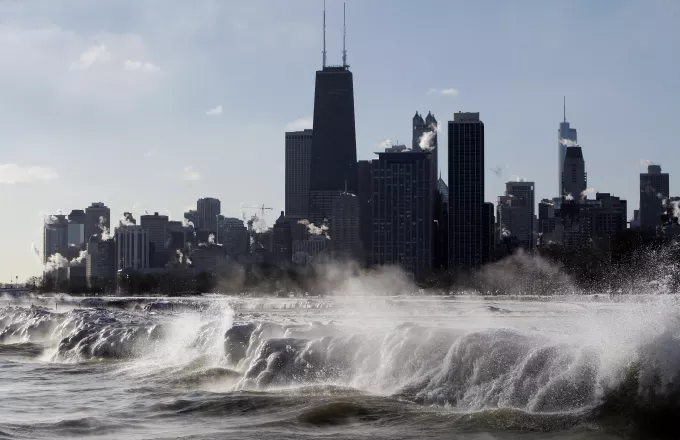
[(574, 153)]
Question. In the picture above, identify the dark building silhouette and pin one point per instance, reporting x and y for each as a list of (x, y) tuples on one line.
[(516, 213), (157, 227), (282, 242), (403, 204), (566, 136), (298, 156), (488, 239), (654, 188), (78, 216), (365, 195), (208, 209), (441, 227), (334, 152), (345, 242), (574, 176), (466, 191), (546, 217)]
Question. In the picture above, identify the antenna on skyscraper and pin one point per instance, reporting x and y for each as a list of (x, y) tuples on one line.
[(344, 37), (564, 103), (324, 33)]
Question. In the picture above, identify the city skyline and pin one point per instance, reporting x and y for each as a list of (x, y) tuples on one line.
[(161, 168)]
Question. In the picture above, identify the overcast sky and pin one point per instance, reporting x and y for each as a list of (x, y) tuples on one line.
[(153, 104)]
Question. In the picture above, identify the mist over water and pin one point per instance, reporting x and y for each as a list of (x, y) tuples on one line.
[(357, 366)]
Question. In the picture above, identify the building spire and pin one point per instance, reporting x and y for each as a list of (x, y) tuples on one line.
[(344, 37), (564, 104), (324, 33)]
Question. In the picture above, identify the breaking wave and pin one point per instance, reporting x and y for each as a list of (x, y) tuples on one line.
[(619, 368)]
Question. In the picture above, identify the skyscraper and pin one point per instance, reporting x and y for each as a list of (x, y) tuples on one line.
[(365, 195), (208, 209), (488, 239), (566, 136), (282, 242), (98, 217), (78, 216), (334, 150), (55, 236), (654, 188), (132, 247), (233, 236), (402, 202), (466, 190), (516, 212), (345, 241), (298, 156), (574, 176), (157, 228)]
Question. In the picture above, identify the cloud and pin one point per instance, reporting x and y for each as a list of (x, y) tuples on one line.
[(97, 53), (140, 66), (444, 92), (646, 162), (300, 124), (189, 173), (215, 111), (12, 173)]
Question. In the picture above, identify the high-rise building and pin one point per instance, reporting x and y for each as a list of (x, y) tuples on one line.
[(157, 227), (566, 136), (55, 236), (298, 157), (365, 195), (76, 235), (77, 216), (421, 127), (132, 247), (609, 217), (345, 241), (574, 176), (98, 217), (334, 151), (466, 190), (488, 239), (516, 211), (441, 223), (402, 202), (233, 235), (654, 188), (100, 263), (282, 241), (208, 209)]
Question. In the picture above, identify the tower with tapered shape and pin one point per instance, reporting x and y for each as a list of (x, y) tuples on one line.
[(334, 152)]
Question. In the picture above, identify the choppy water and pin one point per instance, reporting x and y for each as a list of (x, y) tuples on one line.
[(380, 368)]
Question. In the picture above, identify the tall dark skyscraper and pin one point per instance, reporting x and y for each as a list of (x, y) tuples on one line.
[(654, 187), (208, 209), (466, 191), (566, 137), (334, 150), (574, 176), (298, 152), (365, 194), (403, 209)]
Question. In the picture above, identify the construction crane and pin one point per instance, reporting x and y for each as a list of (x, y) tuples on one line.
[(261, 208)]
